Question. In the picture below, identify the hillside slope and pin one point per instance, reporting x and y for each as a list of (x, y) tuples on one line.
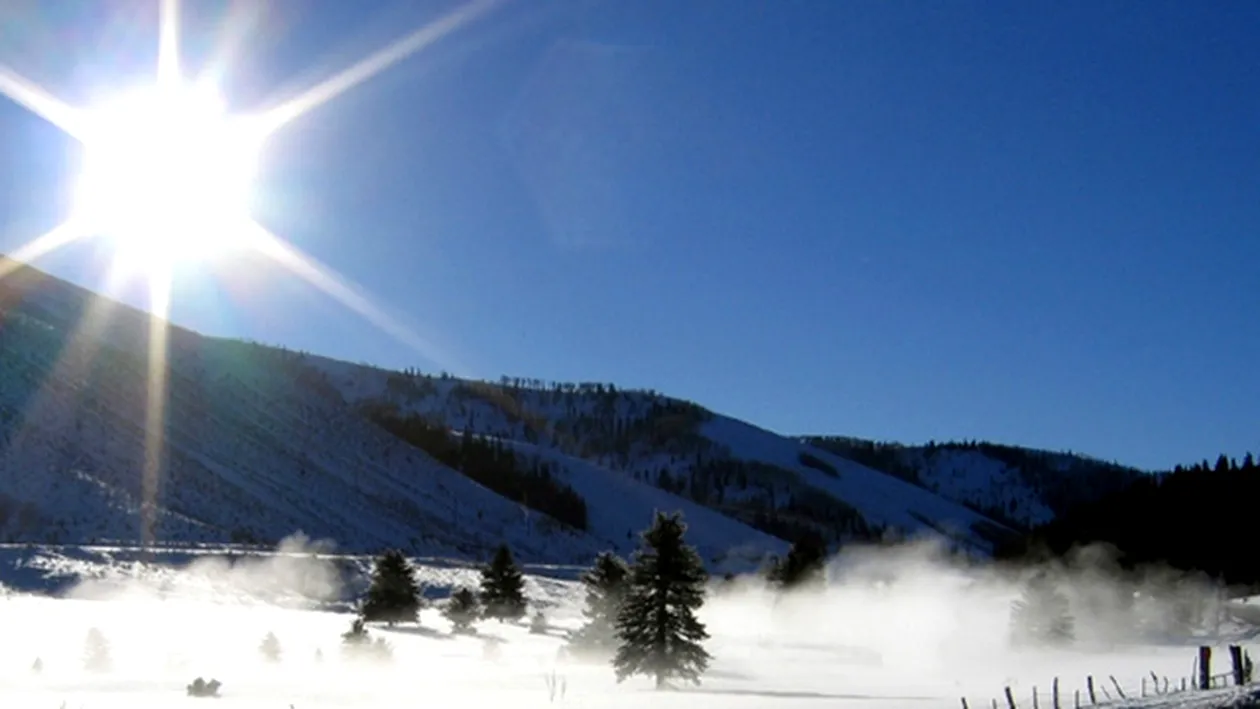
[(255, 448), (777, 484), (1022, 487)]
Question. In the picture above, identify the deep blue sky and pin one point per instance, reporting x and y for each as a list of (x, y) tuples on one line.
[(1036, 223)]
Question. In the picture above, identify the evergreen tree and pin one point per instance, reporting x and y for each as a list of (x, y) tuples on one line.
[(96, 656), (538, 626), (356, 638), (393, 596), (503, 587), (605, 584), (270, 648), (462, 610), (804, 565), (656, 625), (1042, 614)]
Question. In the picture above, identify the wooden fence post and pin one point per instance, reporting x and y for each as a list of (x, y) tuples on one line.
[(1054, 693), (1089, 684), (964, 703), (1117, 686), (1076, 699), (1010, 699), (1035, 706), (1205, 667)]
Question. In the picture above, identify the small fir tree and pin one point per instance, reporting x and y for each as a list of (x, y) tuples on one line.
[(805, 564), (658, 631), (356, 640), (606, 582), (503, 587), (538, 626), (96, 655), (394, 596), (462, 610), (1042, 614), (270, 648)]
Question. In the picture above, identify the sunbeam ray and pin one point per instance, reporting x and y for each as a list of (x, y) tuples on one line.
[(40, 102), (61, 235), (168, 43), (155, 406), (374, 64), (334, 285)]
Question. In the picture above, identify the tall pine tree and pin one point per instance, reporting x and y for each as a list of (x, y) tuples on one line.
[(656, 625), (394, 596), (503, 587), (605, 584)]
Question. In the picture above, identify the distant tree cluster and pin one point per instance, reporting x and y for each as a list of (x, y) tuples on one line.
[(1179, 518), (1042, 615), (490, 463), (803, 567)]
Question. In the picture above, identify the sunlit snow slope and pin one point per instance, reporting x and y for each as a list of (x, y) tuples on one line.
[(255, 449)]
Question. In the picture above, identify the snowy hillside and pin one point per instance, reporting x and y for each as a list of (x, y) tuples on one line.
[(255, 449), (1022, 487), (774, 483), (260, 442)]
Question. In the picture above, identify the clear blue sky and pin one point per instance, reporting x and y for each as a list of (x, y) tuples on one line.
[(1035, 223)]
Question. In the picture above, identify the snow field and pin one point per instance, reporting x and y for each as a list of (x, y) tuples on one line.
[(914, 635)]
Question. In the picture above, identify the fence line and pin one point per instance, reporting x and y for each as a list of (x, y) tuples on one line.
[(1201, 678)]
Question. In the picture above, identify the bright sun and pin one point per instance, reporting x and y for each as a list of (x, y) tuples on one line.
[(167, 175)]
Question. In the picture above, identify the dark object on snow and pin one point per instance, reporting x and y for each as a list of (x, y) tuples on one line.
[(202, 688)]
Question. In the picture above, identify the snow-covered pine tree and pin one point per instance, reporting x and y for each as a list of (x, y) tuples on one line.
[(393, 596), (270, 648), (462, 610), (657, 628), (606, 582), (805, 564), (503, 587), (96, 656), (1042, 615)]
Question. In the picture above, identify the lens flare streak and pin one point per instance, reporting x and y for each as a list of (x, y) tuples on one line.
[(77, 124), (374, 64)]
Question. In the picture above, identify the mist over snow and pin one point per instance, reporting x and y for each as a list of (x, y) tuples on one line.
[(897, 626)]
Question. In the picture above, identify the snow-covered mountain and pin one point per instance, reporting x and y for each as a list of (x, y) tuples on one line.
[(260, 442), (1022, 487), (775, 483), (255, 449)]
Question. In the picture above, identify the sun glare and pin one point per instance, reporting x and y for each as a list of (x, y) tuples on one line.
[(167, 175)]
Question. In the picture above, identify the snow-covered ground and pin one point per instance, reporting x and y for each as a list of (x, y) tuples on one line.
[(925, 637)]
